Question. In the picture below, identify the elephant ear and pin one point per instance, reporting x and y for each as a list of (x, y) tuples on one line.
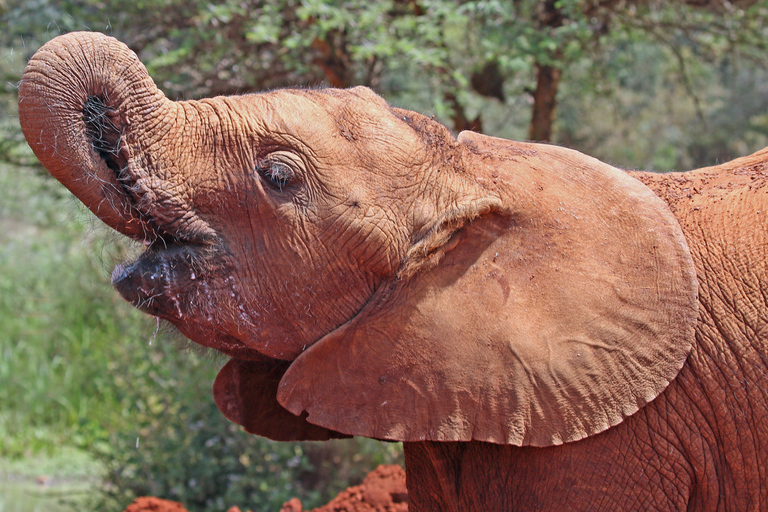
[(245, 392), (548, 320)]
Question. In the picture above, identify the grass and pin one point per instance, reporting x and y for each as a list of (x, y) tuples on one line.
[(47, 483), (59, 320)]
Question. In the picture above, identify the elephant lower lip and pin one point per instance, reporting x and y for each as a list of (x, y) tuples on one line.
[(165, 281), (157, 282)]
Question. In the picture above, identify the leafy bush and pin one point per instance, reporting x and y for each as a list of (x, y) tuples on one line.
[(192, 454)]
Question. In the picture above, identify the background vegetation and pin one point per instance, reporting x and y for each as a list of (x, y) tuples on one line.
[(642, 84)]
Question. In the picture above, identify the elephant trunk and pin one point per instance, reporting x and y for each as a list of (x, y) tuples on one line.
[(81, 98)]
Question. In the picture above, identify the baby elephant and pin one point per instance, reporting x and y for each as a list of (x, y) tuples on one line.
[(542, 331)]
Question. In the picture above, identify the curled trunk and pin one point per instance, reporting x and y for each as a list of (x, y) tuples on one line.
[(81, 98)]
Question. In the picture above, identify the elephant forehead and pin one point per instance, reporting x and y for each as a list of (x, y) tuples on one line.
[(283, 117), (363, 126)]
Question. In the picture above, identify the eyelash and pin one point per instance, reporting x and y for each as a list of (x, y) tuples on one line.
[(277, 175)]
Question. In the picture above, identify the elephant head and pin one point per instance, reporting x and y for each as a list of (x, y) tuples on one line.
[(367, 272)]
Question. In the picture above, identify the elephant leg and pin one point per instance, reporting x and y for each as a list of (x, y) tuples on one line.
[(581, 476)]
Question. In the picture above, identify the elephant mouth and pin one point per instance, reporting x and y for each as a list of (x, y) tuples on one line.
[(159, 281), (180, 270), (163, 280), (173, 282)]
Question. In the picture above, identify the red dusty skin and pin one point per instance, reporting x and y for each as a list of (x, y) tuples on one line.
[(79, 98)]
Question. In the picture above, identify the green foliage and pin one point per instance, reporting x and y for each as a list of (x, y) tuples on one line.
[(649, 120), (55, 320), (190, 453)]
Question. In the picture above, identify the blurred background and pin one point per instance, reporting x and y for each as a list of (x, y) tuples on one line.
[(99, 405)]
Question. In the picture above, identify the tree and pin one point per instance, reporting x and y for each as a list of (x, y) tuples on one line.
[(463, 60), (554, 33)]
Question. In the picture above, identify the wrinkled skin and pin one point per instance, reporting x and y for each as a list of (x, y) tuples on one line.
[(700, 444), (543, 331)]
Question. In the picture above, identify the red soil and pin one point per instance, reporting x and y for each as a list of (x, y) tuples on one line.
[(383, 490), (152, 504)]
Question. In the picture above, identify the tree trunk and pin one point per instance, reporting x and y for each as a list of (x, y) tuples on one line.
[(547, 77), (334, 59), (544, 102)]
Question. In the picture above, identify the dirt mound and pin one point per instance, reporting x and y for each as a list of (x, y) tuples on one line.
[(383, 490), (152, 504)]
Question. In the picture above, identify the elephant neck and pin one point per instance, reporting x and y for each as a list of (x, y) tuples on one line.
[(588, 475)]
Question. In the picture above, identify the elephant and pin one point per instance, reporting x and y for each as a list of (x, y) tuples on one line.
[(541, 330)]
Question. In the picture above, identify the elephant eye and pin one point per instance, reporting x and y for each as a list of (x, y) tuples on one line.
[(276, 174)]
